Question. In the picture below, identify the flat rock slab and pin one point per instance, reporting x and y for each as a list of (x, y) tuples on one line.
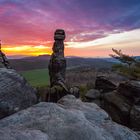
[(9, 134), (69, 119)]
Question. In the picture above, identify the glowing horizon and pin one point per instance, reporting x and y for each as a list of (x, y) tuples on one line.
[(125, 39)]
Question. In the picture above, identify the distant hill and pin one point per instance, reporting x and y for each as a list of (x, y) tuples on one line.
[(41, 62), (30, 63), (117, 61), (137, 57), (111, 60)]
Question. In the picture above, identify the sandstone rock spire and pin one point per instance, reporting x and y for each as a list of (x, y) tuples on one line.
[(57, 64)]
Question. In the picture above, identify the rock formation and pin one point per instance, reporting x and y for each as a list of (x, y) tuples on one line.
[(57, 65), (4, 60), (93, 95), (118, 107), (122, 102), (135, 117), (69, 119), (104, 85), (131, 90), (125, 103), (15, 93), (57, 69)]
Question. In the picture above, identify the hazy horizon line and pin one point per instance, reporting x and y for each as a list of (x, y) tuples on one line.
[(26, 56)]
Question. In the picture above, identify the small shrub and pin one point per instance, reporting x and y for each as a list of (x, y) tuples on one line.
[(83, 91)]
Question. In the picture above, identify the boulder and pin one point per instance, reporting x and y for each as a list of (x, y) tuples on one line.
[(69, 119), (93, 94), (104, 85), (118, 107), (135, 117), (15, 93), (131, 90)]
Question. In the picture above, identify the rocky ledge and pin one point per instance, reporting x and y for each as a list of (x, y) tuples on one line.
[(69, 119), (122, 102)]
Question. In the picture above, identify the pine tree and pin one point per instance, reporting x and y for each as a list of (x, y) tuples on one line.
[(132, 67), (124, 58)]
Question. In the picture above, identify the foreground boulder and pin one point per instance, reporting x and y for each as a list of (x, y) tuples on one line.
[(69, 119), (15, 93), (9, 134)]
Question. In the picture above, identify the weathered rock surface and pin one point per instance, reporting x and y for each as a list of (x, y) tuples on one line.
[(135, 117), (104, 85), (75, 91), (15, 93), (69, 119), (118, 107), (9, 134), (93, 94), (131, 90), (123, 104)]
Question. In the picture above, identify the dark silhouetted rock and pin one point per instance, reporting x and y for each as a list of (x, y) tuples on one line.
[(15, 93), (123, 104), (135, 117), (57, 64), (55, 93), (104, 85), (69, 119), (118, 107), (57, 68), (131, 90)]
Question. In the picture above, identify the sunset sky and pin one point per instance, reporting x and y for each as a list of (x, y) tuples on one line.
[(92, 27)]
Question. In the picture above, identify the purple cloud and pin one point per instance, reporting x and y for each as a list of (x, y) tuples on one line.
[(34, 21)]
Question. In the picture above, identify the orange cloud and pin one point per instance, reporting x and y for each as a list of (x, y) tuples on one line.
[(128, 41)]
